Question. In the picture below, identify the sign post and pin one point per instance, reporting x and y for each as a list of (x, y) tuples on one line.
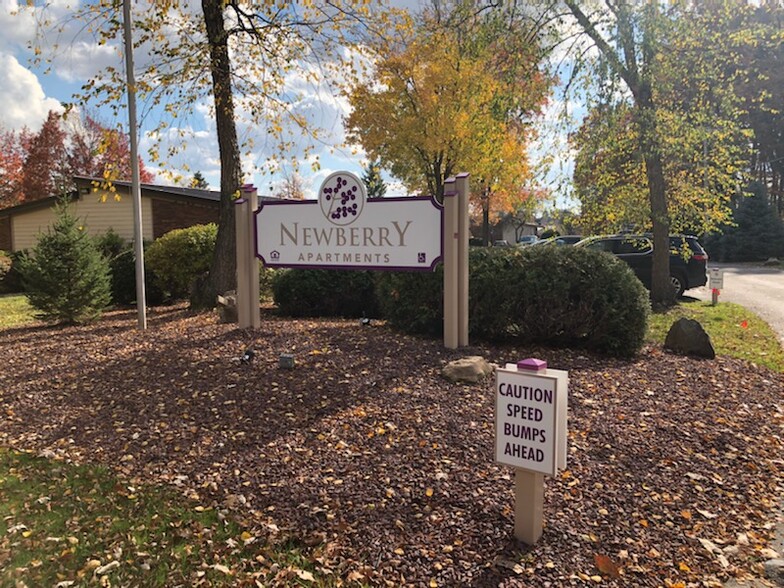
[(716, 284), (530, 435)]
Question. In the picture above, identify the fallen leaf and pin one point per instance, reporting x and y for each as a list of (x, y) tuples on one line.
[(606, 565)]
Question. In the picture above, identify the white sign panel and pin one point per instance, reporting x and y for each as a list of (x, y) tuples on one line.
[(716, 278), (345, 230), (530, 419)]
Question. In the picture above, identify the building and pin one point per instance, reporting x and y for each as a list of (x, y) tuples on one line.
[(164, 208)]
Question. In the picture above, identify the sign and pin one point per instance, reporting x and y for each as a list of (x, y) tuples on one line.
[(345, 230), (716, 278), (530, 418)]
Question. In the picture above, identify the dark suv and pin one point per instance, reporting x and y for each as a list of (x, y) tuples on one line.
[(688, 260)]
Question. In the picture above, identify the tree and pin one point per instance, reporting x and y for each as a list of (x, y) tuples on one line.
[(757, 233), (191, 59), (45, 170), (374, 183), (198, 181), (42, 164), (454, 96), (654, 55), (11, 168), (66, 278), (101, 152), (291, 188)]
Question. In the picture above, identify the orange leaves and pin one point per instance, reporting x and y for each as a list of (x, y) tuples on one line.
[(606, 565)]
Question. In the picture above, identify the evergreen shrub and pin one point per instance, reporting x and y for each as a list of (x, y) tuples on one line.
[(299, 292), (758, 232), (65, 276), (576, 297), (413, 301), (561, 296), (180, 256)]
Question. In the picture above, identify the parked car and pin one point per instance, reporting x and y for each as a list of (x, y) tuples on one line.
[(688, 260), (526, 240), (560, 240), (568, 239)]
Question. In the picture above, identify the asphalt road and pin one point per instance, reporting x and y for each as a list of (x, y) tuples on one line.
[(760, 289)]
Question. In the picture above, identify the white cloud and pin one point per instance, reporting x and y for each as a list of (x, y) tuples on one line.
[(23, 99)]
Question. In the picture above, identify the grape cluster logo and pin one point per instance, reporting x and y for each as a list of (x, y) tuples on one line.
[(342, 198)]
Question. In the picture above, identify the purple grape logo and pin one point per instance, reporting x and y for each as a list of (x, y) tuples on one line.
[(342, 197)]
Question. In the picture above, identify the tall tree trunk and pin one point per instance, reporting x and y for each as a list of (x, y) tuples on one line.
[(662, 293), (223, 270)]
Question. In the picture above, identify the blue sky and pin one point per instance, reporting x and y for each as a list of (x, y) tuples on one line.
[(27, 94)]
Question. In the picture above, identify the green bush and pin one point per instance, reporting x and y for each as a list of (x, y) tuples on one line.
[(5, 269), (123, 268), (561, 296), (266, 277), (65, 276), (12, 282), (180, 256), (110, 244), (413, 301), (576, 297), (324, 293)]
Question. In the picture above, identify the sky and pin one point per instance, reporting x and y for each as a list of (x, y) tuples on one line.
[(27, 93)]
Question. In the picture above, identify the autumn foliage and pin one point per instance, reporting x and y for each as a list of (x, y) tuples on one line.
[(43, 164)]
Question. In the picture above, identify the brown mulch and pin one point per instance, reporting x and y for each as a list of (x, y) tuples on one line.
[(674, 472)]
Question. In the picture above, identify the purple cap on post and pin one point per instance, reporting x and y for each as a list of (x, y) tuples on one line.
[(532, 365), (248, 187)]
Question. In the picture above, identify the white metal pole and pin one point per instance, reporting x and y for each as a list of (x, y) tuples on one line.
[(138, 235)]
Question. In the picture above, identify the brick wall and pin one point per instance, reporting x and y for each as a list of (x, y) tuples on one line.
[(5, 233), (168, 215)]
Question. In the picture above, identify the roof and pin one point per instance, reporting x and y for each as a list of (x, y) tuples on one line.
[(147, 189)]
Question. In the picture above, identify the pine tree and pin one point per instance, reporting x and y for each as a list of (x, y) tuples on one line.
[(66, 278), (374, 183), (199, 181)]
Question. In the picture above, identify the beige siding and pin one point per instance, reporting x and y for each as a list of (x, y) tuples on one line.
[(97, 216)]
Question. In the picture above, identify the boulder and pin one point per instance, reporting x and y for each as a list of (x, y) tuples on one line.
[(687, 337), (774, 570), (471, 369), (772, 262)]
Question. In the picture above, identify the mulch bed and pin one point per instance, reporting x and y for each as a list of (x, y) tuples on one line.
[(368, 455)]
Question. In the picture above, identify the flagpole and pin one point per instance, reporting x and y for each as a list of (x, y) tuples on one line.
[(138, 235)]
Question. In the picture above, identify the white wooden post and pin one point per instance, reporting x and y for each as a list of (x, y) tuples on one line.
[(241, 225), (461, 184), (451, 290), (247, 264), (529, 506)]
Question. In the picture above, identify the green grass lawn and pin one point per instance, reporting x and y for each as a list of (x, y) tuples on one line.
[(67, 525), (734, 331), (15, 311)]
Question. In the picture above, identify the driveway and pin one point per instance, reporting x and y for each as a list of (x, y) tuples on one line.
[(760, 289)]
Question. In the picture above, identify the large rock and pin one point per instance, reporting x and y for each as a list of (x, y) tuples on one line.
[(687, 337), (467, 369)]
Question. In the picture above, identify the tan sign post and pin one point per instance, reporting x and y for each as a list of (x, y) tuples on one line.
[(530, 435), (248, 314), (716, 283)]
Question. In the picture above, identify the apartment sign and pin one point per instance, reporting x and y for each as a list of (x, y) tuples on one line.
[(343, 229)]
